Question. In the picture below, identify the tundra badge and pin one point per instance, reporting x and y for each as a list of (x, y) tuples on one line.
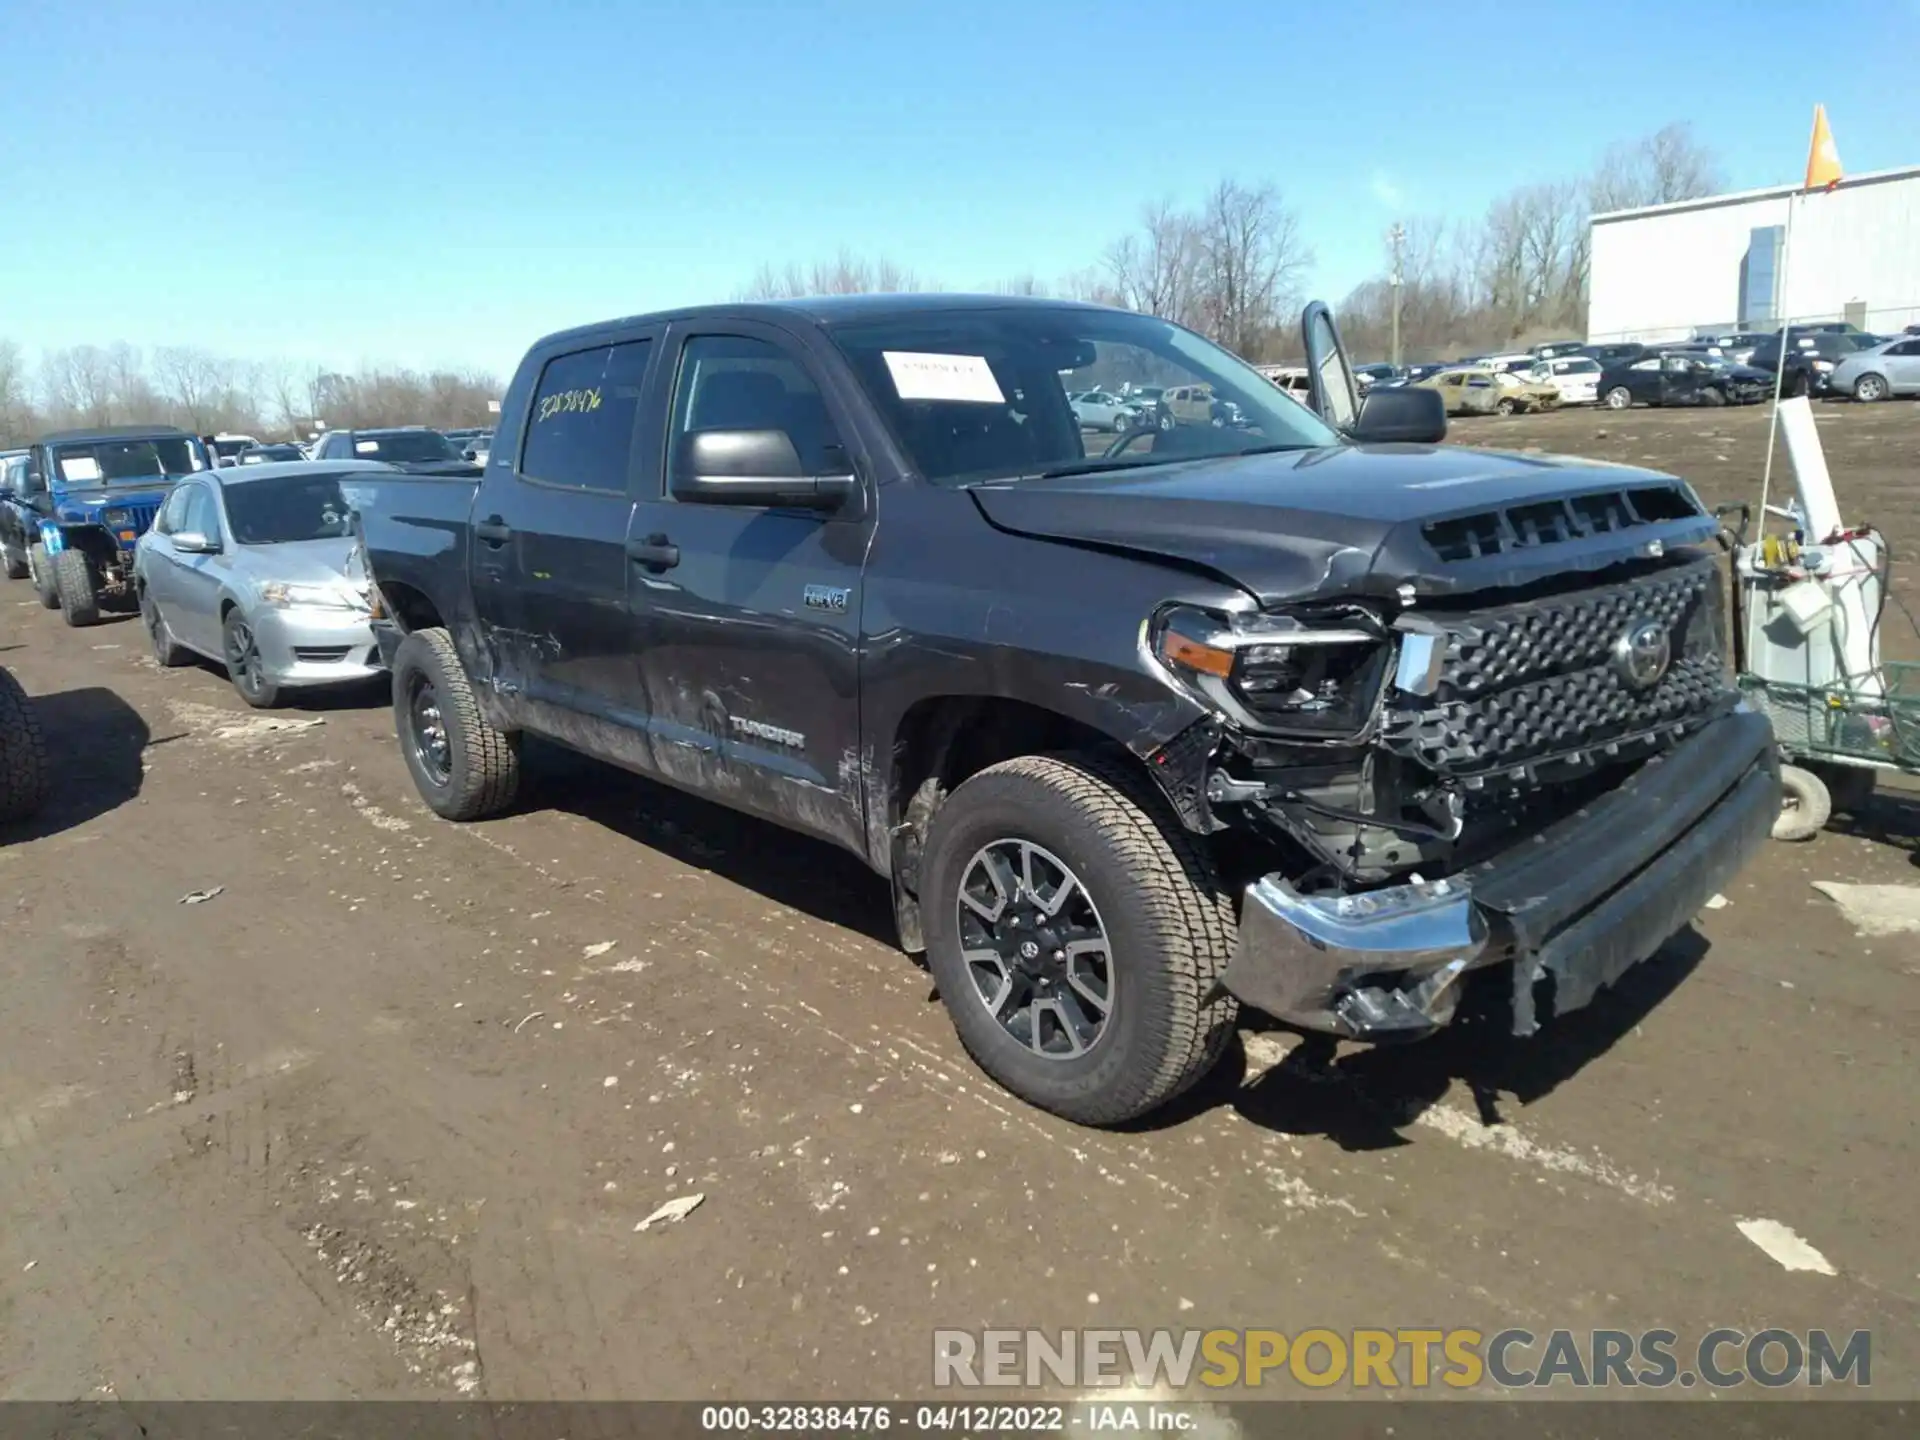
[(828, 597)]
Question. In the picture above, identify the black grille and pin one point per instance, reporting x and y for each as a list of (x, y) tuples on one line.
[(1552, 522), (139, 514), (1536, 682), (321, 653)]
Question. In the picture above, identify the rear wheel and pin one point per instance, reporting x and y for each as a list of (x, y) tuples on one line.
[(40, 567), (1074, 929), (1867, 389), (463, 767), (166, 653), (245, 664), (23, 753), (1618, 398), (78, 586)]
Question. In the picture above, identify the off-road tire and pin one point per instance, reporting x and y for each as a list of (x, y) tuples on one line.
[(1618, 397), (24, 774), (1798, 387), (1867, 389), (1805, 805), (40, 568), (79, 591), (168, 653), (484, 763), (1169, 921), (15, 563)]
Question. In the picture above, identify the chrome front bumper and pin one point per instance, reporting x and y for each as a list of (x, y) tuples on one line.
[(1577, 905)]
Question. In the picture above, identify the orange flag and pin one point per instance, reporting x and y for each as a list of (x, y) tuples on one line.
[(1823, 159)]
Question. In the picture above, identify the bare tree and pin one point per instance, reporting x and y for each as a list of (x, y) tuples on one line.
[(1251, 258), (18, 420), (196, 383), (846, 274), (1154, 270), (1656, 169)]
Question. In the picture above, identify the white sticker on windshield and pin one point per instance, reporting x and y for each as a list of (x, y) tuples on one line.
[(80, 467), (366, 447), (920, 375)]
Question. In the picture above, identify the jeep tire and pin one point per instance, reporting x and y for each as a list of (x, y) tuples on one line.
[(78, 586), (24, 774), (463, 767), (14, 560), (40, 568), (1154, 907)]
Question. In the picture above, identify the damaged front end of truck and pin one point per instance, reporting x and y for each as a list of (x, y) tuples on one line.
[(1528, 752)]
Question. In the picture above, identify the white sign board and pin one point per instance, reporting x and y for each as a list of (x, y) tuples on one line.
[(921, 375), (79, 469)]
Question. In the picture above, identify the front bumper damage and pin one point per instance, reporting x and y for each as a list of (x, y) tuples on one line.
[(1576, 905)]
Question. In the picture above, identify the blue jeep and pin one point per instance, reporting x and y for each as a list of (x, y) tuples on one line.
[(70, 515)]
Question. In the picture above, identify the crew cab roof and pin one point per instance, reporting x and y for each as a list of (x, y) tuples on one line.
[(114, 432), (826, 310)]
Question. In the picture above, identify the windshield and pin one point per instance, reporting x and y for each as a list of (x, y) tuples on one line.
[(127, 462), (982, 394), (404, 445), (287, 508)]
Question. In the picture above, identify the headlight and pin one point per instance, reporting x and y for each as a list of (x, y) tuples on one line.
[(1823, 364), (1277, 672), (116, 517), (308, 597)]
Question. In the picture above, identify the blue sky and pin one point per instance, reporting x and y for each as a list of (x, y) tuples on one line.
[(425, 183)]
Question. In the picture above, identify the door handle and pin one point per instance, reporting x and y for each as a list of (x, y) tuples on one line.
[(494, 530), (655, 552)]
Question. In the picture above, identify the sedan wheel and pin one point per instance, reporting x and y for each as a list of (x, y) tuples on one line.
[(245, 665), (1869, 388)]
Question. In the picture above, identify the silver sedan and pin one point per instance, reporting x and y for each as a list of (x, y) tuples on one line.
[(249, 567)]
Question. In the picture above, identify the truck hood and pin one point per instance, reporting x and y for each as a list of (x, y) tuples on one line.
[(86, 504), (1346, 521)]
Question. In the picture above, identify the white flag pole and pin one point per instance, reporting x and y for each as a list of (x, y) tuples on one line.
[(1780, 368)]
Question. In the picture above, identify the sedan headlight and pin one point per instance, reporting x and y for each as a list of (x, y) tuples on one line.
[(294, 596), (1277, 672)]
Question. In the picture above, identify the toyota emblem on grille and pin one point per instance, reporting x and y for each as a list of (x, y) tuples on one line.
[(1641, 655)]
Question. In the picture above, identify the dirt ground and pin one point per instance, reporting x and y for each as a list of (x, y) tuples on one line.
[(380, 1117)]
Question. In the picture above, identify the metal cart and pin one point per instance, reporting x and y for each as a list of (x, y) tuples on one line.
[(1837, 733)]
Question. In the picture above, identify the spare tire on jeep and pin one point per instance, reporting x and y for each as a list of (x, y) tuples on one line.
[(23, 753)]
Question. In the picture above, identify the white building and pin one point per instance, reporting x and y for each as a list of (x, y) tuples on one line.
[(1665, 271)]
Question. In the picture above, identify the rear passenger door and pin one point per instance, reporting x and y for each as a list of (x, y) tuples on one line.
[(548, 548), (747, 620)]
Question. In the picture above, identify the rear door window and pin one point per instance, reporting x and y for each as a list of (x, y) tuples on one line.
[(580, 425)]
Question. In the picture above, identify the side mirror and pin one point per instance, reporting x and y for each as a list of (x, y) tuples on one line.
[(754, 467), (1406, 415), (1330, 382), (193, 542)]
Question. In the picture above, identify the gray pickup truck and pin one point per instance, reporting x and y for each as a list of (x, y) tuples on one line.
[(1307, 711)]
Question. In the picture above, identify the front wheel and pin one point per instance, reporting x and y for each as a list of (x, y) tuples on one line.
[(1504, 407), (1867, 389), (77, 584), (24, 776), (1074, 929), (1799, 387), (463, 767), (1618, 398), (15, 561), (245, 665)]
